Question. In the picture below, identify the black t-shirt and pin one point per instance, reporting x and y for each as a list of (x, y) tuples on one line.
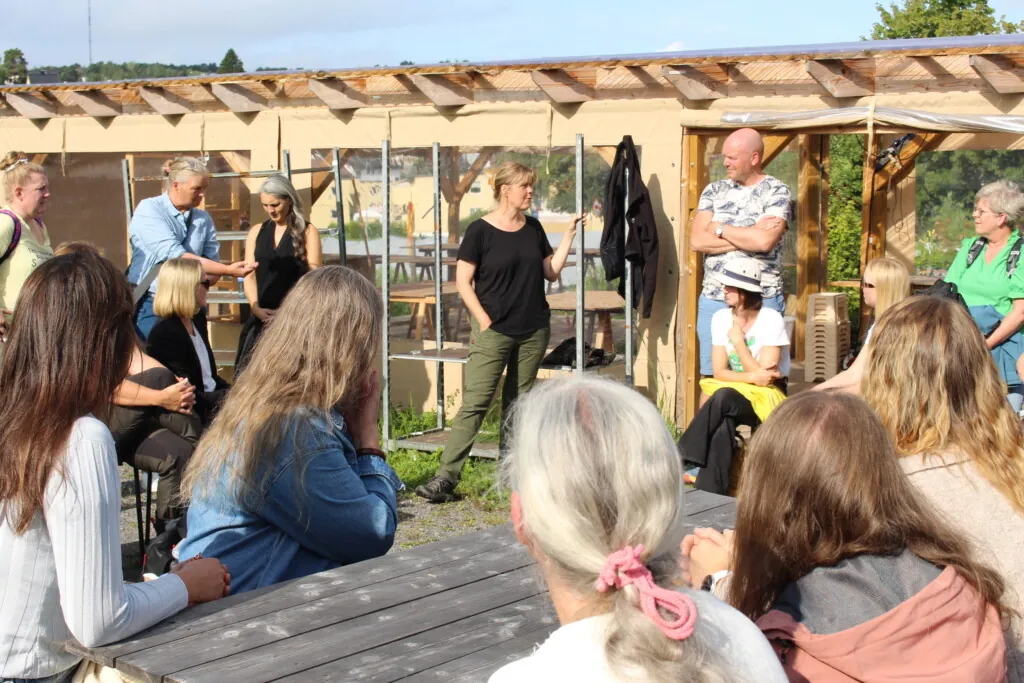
[(509, 275)]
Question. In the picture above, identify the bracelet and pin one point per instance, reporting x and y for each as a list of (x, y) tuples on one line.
[(372, 451)]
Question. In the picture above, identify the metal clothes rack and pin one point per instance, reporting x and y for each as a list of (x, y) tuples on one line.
[(439, 355), (238, 296)]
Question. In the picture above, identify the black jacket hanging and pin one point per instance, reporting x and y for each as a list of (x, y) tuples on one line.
[(641, 249)]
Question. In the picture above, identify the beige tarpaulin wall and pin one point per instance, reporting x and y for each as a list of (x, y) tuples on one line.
[(654, 125)]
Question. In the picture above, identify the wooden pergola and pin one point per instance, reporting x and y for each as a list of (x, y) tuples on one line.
[(953, 93)]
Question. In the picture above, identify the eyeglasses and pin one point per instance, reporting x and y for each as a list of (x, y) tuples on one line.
[(867, 285), (978, 212), (205, 284)]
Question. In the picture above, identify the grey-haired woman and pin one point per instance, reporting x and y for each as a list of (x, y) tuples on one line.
[(286, 246)]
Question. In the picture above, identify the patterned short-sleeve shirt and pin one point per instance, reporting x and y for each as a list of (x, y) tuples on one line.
[(742, 206)]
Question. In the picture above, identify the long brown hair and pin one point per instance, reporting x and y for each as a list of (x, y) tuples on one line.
[(69, 348), (322, 343), (821, 484), (936, 389)]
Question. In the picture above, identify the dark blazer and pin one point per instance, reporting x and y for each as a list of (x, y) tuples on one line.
[(170, 344), (641, 248)]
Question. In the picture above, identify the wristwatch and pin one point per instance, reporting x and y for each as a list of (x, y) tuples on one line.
[(372, 451), (719, 230)]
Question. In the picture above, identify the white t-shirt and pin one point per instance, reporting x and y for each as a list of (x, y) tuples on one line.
[(575, 652), (204, 360), (768, 330)]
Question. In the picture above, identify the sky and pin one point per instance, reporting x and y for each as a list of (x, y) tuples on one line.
[(324, 34)]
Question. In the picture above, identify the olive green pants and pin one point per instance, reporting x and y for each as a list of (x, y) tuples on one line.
[(490, 354)]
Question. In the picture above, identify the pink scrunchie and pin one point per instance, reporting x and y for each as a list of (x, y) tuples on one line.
[(624, 568)]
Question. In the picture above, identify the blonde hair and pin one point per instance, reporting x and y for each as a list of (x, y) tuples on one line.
[(176, 170), (596, 469), (892, 283), (16, 170), (313, 359), (176, 288), (1005, 197), (935, 387), (510, 173)]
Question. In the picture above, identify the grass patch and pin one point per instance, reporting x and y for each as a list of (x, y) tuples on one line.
[(479, 477)]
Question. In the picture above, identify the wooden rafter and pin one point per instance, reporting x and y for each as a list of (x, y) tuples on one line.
[(560, 87), (164, 102), (32, 106), (336, 94), (442, 91), (238, 98), (1004, 76), (838, 78), (694, 84), (774, 145), (94, 103), (238, 162)]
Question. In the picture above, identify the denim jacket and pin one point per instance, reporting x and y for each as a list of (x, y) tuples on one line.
[(321, 506)]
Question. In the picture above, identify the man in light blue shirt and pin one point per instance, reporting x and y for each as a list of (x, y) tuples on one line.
[(170, 226)]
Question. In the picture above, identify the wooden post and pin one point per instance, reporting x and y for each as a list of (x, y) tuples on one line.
[(691, 275), (454, 188), (872, 241), (809, 226)]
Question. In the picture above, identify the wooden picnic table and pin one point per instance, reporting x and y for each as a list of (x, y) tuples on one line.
[(456, 610), (916, 282), (598, 307), (422, 266), (422, 296)]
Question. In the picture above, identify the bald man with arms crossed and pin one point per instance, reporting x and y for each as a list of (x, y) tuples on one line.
[(744, 214)]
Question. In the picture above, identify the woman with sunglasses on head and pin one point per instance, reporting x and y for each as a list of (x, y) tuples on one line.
[(886, 282), (24, 242), (178, 340), (986, 275)]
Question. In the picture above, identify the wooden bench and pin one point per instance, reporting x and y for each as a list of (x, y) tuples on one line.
[(456, 610)]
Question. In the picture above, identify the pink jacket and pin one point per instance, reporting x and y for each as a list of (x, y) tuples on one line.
[(941, 635)]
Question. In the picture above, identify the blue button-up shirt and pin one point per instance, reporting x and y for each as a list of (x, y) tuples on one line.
[(317, 506), (159, 232)]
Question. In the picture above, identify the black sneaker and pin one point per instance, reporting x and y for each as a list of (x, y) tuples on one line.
[(437, 490)]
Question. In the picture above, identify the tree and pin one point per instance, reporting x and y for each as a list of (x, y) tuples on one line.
[(935, 18), (231, 64), (15, 67)]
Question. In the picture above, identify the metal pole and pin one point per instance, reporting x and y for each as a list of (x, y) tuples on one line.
[(286, 164), (629, 288), (126, 178), (339, 205), (580, 282), (438, 305), (385, 281)]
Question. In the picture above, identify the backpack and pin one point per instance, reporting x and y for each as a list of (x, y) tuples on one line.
[(15, 238), (1011, 261)]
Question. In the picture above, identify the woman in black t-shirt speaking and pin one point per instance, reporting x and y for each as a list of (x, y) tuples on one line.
[(504, 259)]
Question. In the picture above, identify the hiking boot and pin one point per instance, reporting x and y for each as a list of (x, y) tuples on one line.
[(437, 490)]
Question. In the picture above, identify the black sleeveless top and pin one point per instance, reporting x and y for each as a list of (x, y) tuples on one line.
[(279, 269)]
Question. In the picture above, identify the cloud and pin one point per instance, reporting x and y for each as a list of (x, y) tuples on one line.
[(674, 46)]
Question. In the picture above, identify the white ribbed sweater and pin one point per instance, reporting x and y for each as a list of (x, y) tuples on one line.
[(62, 578)]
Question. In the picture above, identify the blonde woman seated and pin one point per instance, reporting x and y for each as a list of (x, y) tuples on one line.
[(962, 448), (290, 480), (597, 499), (179, 341), (849, 572), (886, 282)]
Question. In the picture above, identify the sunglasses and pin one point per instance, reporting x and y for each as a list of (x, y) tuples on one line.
[(205, 284), (867, 285)]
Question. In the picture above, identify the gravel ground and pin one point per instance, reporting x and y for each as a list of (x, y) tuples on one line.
[(419, 522)]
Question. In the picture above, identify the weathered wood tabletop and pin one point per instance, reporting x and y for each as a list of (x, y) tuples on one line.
[(456, 610)]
